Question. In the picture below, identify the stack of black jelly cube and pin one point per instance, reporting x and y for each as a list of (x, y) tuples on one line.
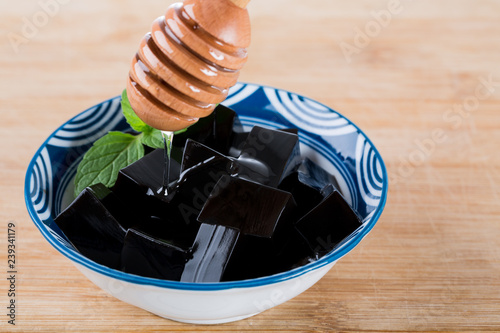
[(241, 205)]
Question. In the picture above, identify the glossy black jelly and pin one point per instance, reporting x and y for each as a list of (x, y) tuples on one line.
[(268, 242), (250, 207), (210, 253), (328, 224), (201, 169), (240, 136), (309, 185), (139, 185), (269, 155), (145, 255), (92, 229), (240, 205), (216, 131), (313, 175)]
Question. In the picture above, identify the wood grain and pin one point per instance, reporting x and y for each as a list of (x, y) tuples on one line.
[(175, 81), (240, 3), (432, 263)]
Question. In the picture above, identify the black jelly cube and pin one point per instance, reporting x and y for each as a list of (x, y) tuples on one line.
[(251, 258), (214, 131), (239, 138), (120, 210), (146, 175), (174, 217), (210, 253), (92, 229), (196, 153), (268, 156), (196, 183), (245, 205), (328, 224), (309, 185), (147, 256), (256, 256), (315, 176), (138, 186), (168, 225), (305, 196)]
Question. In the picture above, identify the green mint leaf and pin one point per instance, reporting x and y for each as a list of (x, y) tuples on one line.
[(134, 121), (106, 157), (152, 139), (116, 150)]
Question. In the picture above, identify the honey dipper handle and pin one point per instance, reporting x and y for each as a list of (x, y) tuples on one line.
[(240, 3)]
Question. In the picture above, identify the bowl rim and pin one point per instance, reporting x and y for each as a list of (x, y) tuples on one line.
[(327, 259)]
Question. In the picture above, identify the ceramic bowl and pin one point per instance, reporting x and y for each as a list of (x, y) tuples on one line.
[(326, 137)]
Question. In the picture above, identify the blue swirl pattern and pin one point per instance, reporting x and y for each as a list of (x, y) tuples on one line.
[(88, 126), (41, 186)]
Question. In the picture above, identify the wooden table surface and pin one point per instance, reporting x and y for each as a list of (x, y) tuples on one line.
[(421, 78)]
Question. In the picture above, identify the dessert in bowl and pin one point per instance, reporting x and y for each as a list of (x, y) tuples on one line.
[(326, 137)]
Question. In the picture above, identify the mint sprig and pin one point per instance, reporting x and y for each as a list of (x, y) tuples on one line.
[(105, 158), (116, 150)]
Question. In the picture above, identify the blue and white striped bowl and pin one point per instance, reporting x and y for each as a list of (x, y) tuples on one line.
[(326, 137)]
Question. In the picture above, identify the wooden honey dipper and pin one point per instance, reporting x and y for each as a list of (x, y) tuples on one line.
[(187, 63)]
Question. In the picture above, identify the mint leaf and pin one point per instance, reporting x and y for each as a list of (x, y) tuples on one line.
[(152, 139), (106, 157), (116, 150), (134, 121)]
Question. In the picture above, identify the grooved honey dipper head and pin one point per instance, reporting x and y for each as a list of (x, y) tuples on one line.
[(188, 62)]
